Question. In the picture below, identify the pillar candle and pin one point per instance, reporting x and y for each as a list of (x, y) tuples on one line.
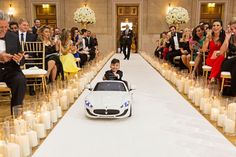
[(63, 102), (33, 138), (9, 149), (29, 117), (53, 114), (23, 141), (59, 113), (76, 92), (203, 100), (191, 93), (19, 126), (45, 118), (40, 129), (214, 114), (229, 126), (221, 119), (71, 96), (231, 112), (207, 108)]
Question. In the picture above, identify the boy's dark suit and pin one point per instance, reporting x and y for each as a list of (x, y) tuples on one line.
[(109, 75), (11, 73)]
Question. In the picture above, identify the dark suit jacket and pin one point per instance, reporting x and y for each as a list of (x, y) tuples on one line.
[(127, 38), (109, 75), (172, 43), (34, 30), (91, 44), (12, 46)]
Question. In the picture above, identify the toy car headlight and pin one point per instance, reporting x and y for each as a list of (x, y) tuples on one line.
[(126, 104), (88, 104)]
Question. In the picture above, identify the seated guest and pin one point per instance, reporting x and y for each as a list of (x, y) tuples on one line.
[(196, 48), (160, 45), (174, 45), (13, 26), (36, 26), (52, 60), (95, 40), (91, 45), (230, 63), (214, 40), (184, 48), (25, 36), (10, 58), (67, 50)]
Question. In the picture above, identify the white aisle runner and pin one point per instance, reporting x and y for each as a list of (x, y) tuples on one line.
[(163, 124)]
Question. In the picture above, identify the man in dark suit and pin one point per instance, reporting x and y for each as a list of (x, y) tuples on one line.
[(127, 36), (89, 42), (25, 36), (36, 26), (174, 49), (10, 57)]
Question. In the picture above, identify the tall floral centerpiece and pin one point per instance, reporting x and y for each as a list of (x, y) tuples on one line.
[(84, 16), (176, 16)]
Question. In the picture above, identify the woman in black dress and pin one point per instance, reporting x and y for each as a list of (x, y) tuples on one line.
[(230, 63), (53, 64)]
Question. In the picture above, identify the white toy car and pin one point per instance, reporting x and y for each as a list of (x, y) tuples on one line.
[(109, 99)]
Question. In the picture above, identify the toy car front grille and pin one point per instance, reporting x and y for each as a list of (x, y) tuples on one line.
[(106, 112)]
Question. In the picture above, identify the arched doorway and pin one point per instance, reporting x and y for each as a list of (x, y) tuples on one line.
[(127, 14)]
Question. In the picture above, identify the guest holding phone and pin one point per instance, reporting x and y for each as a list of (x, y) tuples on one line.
[(10, 57)]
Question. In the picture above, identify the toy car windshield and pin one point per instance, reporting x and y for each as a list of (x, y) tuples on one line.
[(110, 86)]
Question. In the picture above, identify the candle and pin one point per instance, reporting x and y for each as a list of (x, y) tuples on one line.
[(46, 119), (64, 102), (76, 92), (71, 96), (221, 119), (40, 129), (23, 141), (191, 93), (229, 126), (231, 112), (207, 108), (29, 117), (9, 149), (203, 100), (54, 94), (214, 114), (53, 116), (19, 126), (32, 138), (59, 113)]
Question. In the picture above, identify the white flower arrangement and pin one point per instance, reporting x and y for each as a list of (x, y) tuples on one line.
[(84, 15), (177, 15)]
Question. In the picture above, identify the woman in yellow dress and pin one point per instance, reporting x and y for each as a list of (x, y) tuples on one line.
[(67, 50)]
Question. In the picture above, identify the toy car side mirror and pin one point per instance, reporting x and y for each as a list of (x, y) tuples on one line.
[(132, 87), (89, 87)]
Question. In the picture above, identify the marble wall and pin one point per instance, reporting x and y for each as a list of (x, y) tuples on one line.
[(151, 21)]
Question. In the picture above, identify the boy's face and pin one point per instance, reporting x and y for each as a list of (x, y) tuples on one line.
[(115, 67)]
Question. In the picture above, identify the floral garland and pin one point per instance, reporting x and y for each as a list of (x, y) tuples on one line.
[(177, 15), (84, 15)]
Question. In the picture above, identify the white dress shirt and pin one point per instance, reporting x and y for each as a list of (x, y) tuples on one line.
[(2, 46), (24, 35), (176, 42)]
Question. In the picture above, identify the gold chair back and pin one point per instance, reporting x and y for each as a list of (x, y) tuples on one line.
[(34, 54)]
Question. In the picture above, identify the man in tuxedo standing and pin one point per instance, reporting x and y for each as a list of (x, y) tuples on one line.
[(127, 36), (36, 26), (10, 57), (25, 36), (91, 45)]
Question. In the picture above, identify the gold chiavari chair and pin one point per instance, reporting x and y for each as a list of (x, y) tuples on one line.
[(34, 67), (5, 91)]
